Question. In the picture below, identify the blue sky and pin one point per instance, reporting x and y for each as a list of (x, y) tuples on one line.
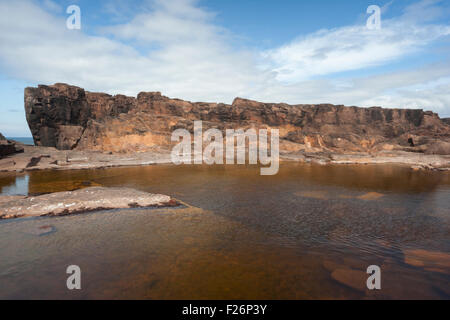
[(214, 50)]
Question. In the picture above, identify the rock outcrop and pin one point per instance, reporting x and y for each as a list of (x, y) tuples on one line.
[(82, 200), (8, 147), (68, 117)]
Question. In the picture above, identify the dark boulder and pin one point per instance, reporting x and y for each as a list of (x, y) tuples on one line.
[(8, 147)]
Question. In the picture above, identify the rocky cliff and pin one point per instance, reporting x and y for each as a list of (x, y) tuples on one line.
[(68, 117)]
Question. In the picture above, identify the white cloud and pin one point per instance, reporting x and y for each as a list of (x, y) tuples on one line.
[(426, 11), (174, 47), (350, 48), (197, 64), (429, 95), (169, 23), (52, 6), (425, 88)]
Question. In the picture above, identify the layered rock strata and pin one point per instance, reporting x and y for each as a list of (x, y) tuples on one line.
[(68, 117)]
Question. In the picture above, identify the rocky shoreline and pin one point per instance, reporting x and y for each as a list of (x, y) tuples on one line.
[(77, 129), (74, 129), (49, 158), (88, 198)]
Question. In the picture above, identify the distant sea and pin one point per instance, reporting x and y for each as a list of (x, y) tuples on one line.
[(24, 140)]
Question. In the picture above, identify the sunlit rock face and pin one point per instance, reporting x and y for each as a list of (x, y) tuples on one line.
[(68, 117)]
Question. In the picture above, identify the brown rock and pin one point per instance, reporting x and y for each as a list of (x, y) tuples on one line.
[(351, 278), (8, 147), (331, 265), (439, 147), (68, 117), (4, 199), (371, 196), (434, 261), (313, 194)]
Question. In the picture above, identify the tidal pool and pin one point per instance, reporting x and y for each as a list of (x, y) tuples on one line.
[(309, 232)]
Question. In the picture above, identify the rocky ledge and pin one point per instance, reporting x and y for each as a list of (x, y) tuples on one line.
[(49, 158), (82, 200)]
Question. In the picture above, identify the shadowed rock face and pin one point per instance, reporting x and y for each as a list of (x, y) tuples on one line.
[(68, 117), (8, 147)]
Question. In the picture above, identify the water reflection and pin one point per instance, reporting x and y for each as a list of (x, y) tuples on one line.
[(383, 178), (272, 237), (12, 185)]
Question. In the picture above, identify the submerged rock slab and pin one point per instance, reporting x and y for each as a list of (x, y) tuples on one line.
[(371, 196), (354, 279), (89, 199), (40, 231), (429, 260)]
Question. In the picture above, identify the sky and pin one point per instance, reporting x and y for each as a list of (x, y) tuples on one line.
[(297, 52)]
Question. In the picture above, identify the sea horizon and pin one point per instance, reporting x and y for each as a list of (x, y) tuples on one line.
[(24, 140)]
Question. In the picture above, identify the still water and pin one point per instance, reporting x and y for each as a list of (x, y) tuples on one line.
[(246, 236)]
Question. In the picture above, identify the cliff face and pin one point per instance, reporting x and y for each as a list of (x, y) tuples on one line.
[(68, 117)]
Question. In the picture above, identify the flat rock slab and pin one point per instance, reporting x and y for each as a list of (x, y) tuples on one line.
[(371, 196), (4, 199), (84, 200), (355, 279), (429, 260)]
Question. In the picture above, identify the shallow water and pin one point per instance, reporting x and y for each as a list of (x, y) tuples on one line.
[(246, 236)]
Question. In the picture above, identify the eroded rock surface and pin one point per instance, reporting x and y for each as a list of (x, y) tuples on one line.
[(43, 158), (68, 117), (88, 199)]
